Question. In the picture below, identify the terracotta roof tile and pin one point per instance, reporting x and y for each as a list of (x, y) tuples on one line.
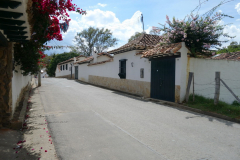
[(104, 54), (162, 50), (109, 60), (139, 53), (86, 60), (139, 43), (71, 59), (228, 56)]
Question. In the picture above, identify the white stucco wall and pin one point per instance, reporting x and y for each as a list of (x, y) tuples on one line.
[(59, 73), (181, 71), (102, 58), (83, 72), (204, 77), (18, 83), (111, 69)]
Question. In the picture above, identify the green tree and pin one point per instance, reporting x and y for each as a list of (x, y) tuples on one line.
[(51, 68), (99, 39), (135, 36), (233, 47), (47, 59)]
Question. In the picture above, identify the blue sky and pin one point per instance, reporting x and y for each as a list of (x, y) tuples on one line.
[(123, 17)]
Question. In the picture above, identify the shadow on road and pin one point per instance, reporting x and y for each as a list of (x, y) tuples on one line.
[(9, 149)]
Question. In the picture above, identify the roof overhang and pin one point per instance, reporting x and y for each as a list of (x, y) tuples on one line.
[(14, 25), (166, 55)]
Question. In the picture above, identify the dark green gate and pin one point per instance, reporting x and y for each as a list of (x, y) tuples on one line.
[(163, 79), (76, 72)]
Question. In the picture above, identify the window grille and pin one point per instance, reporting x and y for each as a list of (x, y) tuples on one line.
[(142, 73), (122, 68)]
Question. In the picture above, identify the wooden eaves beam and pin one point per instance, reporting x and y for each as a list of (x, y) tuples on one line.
[(11, 4)]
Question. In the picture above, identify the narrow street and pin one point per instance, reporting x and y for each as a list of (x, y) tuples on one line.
[(92, 123)]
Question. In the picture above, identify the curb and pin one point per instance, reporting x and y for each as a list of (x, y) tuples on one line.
[(176, 105), (169, 104)]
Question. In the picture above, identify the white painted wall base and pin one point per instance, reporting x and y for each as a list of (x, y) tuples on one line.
[(18, 83), (204, 76)]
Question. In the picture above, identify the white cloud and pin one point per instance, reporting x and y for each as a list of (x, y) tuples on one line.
[(102, 5), (232, 30), (101, 19), (237, 7), (107, 19)]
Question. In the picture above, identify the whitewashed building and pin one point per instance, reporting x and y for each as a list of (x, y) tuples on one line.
[(144, 67), (66, 68)]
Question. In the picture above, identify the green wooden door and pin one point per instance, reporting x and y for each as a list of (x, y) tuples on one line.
[(76, 72), (163, 79)]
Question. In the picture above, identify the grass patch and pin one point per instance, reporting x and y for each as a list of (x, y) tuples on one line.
[(207, 104)]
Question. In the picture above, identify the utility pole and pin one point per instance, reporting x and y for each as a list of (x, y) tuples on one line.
[(39, 78), (71, 70), (143, 29)]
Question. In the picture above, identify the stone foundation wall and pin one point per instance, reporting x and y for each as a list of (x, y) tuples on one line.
[(140, 88), (67, 76), (5, 83)]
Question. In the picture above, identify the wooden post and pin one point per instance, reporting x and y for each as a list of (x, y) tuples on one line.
[(217, 88), (39, 79), (230, 90), (193, 89), (189, 85)]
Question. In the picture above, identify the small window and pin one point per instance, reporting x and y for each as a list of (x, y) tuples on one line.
[(66, 66), (63, 67), (142, 73), (122, 68)]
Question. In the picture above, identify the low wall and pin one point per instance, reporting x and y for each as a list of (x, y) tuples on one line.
[(140, 88), (204, 77), (67, 76), (20, 84)]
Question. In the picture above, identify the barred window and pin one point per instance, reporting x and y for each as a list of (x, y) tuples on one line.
[(122, 68)]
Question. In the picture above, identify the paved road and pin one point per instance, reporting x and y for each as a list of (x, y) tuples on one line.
[(91, 123)]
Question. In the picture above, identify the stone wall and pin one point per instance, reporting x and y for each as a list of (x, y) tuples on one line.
[(67, 76), (140, 88), (5, 83)]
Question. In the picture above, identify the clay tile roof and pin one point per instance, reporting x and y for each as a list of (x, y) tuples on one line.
[(109, 60), (163, 50), (139, 53), (104, 54), (71, 59), (235, 56), (86, 60), (138, 43)]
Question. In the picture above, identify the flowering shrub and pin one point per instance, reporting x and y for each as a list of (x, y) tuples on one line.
[(54, 12), (198, 32), (45, 22)]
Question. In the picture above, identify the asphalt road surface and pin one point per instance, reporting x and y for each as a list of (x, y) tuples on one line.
[(92, 123)]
